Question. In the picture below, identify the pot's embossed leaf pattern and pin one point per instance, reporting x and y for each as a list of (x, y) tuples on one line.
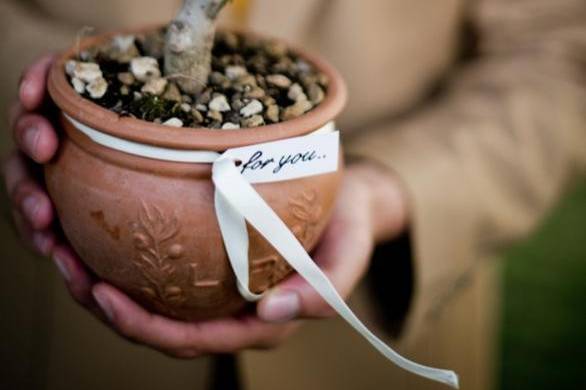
[(156, 256), (306, 209)]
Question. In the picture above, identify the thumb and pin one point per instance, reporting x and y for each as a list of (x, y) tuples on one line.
[(342, 255)]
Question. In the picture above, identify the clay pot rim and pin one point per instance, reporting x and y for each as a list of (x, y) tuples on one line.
[(102, 119)]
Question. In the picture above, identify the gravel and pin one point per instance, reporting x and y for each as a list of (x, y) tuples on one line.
[(173, 122), (252, 108), (253, 82), (145, 68)]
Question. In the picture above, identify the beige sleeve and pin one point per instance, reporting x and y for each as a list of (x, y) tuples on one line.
[(496, 151)]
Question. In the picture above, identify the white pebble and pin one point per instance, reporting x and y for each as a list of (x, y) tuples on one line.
[(145, 68), (78, 85), (87, 71), (303, 66), (253, 121), (279, 80), (296, 93), (70, 67), (252, 108), (97, 88), (296, 110), (220, 103), (185, 107), (230, 126), (173, 122), (123, 42), (235, 72), (155, 86)]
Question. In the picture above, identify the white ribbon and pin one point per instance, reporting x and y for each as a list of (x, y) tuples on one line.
[(236, 202)]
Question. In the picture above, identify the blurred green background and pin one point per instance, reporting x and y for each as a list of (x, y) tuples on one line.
[(543, 334)]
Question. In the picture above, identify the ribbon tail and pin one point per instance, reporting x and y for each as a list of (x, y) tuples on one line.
[(243, 199), (235, 237)]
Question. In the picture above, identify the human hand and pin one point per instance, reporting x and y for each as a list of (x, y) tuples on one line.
[(370, 207), (33, 212), (35, 137), (34, 216)]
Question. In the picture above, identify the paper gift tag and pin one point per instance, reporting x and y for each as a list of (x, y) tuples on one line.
[(288, 159)]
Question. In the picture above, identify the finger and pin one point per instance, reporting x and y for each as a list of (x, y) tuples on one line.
[(14, 170), (343, 257), (74, 273), (42, 242), (36, 137), (33, 84), (181, 338), (78, 279), (31, 201)]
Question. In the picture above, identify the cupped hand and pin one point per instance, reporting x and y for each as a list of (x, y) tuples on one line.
[(370, 207), (37, 142)]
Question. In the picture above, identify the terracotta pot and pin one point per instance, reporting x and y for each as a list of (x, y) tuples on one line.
[(149, 227)]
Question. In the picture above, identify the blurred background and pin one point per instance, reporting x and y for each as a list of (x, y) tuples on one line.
[(542, 340), (543, 326), (542, 332)]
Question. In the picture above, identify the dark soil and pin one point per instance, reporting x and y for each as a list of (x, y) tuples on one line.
[(244, 70)]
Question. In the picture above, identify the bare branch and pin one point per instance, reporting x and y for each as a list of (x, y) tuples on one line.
[(189, 42)]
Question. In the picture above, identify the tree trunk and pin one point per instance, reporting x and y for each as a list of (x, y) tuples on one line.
[(189, 42)]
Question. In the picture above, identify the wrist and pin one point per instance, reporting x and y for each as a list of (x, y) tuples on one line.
[(387, 200)]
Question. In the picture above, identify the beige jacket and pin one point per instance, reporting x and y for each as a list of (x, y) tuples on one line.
[(477, 105)]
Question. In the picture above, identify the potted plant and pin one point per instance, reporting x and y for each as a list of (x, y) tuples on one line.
[(164, 130), (149, 226)]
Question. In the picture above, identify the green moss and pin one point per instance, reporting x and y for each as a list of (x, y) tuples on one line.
[(150, 107)]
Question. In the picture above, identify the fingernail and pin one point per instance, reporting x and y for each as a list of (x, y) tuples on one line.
[(62, 267), (30, 139), (281, 306), (30, 206), (104, 304), (26, 89), (41, 242)]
